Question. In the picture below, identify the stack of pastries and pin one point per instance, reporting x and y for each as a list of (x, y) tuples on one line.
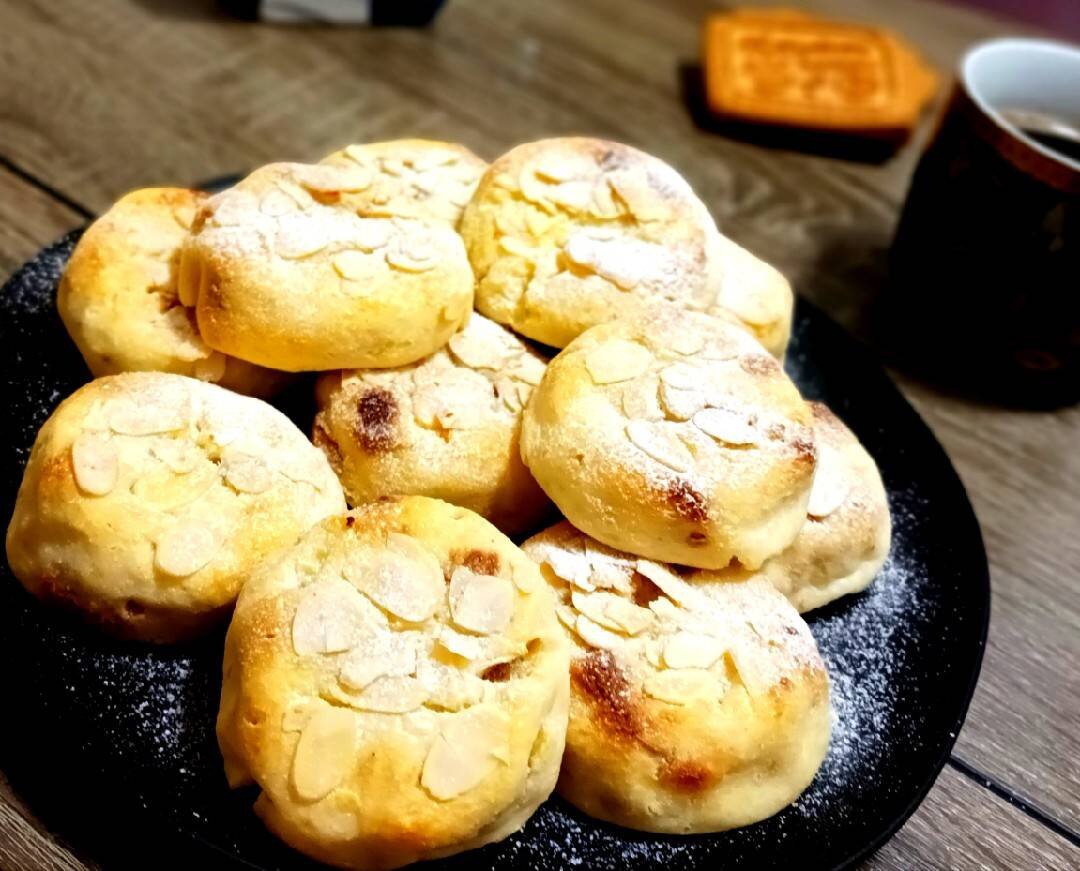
[(401, 680)]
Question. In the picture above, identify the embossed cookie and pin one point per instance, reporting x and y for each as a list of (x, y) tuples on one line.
[(673, 435), (564, 234), (283, 274), (845, 539), (149, 498), (118, 296), (396, 686), (698, 702), (447, 427), (411, 178)]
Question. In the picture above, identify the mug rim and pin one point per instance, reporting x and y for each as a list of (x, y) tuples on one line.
[(1007, 127)]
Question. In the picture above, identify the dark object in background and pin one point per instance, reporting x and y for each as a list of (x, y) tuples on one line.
[(380, 13), (985, 267)]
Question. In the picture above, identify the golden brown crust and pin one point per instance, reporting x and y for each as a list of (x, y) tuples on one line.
[(698, 702), (675, 436), (462, 746), (447, 427), (283, 273), (119, 299), (845, 539), (567, 233), (148, 498)]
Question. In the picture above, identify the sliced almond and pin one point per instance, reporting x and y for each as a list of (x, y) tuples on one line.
[(567, 616), (643, 202), (325, 752), (727, 426), (595, 635), (296, 716), (679, 687), (184, 549), (246, 473), (478, 348), (449, 688), (681, 404), (412, 252), (571, 565), (465, 646), (593, 606), (276, 203), (370, 234), (831, 484), (480, 603), (299, 237), (409, 586), (617, 360), (383, 655), (333, 177), (611, 570), (527, 368), (179, 455), (660, 443), (127, 417), (691, 650), (670, 584), (95, 464), (332, 616), (465, 753), (573, 195), (507, 391), (356, 265), (627, 616), (640, 399), (682, 376), (654, 650), (390, 695)]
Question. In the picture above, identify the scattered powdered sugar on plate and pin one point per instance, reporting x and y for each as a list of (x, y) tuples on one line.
[(133, 725)]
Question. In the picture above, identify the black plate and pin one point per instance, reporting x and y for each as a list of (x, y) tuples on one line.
[(116, 741)]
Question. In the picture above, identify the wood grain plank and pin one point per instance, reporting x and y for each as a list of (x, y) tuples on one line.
[(29, 219), (25, 845), (962, 825)]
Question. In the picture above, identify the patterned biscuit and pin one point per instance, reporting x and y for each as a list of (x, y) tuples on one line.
[(446, 427), (697, 703), (845, 538), (283, 274), (118, 296), (396, 686), (564, 234), (148, 498), (673, 435), (412, 178)]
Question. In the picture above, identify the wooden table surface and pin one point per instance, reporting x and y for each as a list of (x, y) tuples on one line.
[(106, 96)]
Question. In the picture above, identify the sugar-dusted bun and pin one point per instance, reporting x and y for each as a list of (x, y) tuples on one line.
[(282, 273), (673, 435), (396, 686), (845, 539), (448, 427), (564, 234), (758, 296), (149, 498), (412, 178), (118, 296), (697, 702)]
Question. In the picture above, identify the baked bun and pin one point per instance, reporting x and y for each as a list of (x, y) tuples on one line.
[(283, 274), (845, 539), (697, 703), (412, 178), (118, 296), (751, 290), (673, 435), (564, 234), (447, 427), (396, 686), (149, 498)]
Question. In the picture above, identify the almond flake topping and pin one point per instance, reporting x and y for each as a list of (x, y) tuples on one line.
[(682, 376), (831, 486), (332, 616), (465, 752), (480, 603), (681, 404), (324, 753), (95, 464), (660, 443), (727, 426), (185, 549), (389, 695), (412, 251), (618, 360), (355, 265), (180, 456), (246, 473), (383, 655), (210, 368), (126, 417), (595, 635), (679, 687), (639, 400), (478, 347), (690, 650), (277, 203), (409, 584), (333, 177)]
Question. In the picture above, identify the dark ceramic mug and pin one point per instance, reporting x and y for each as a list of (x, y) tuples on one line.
[(985, 266)]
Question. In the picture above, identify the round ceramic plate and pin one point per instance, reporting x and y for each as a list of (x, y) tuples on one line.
[(116, 740)]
